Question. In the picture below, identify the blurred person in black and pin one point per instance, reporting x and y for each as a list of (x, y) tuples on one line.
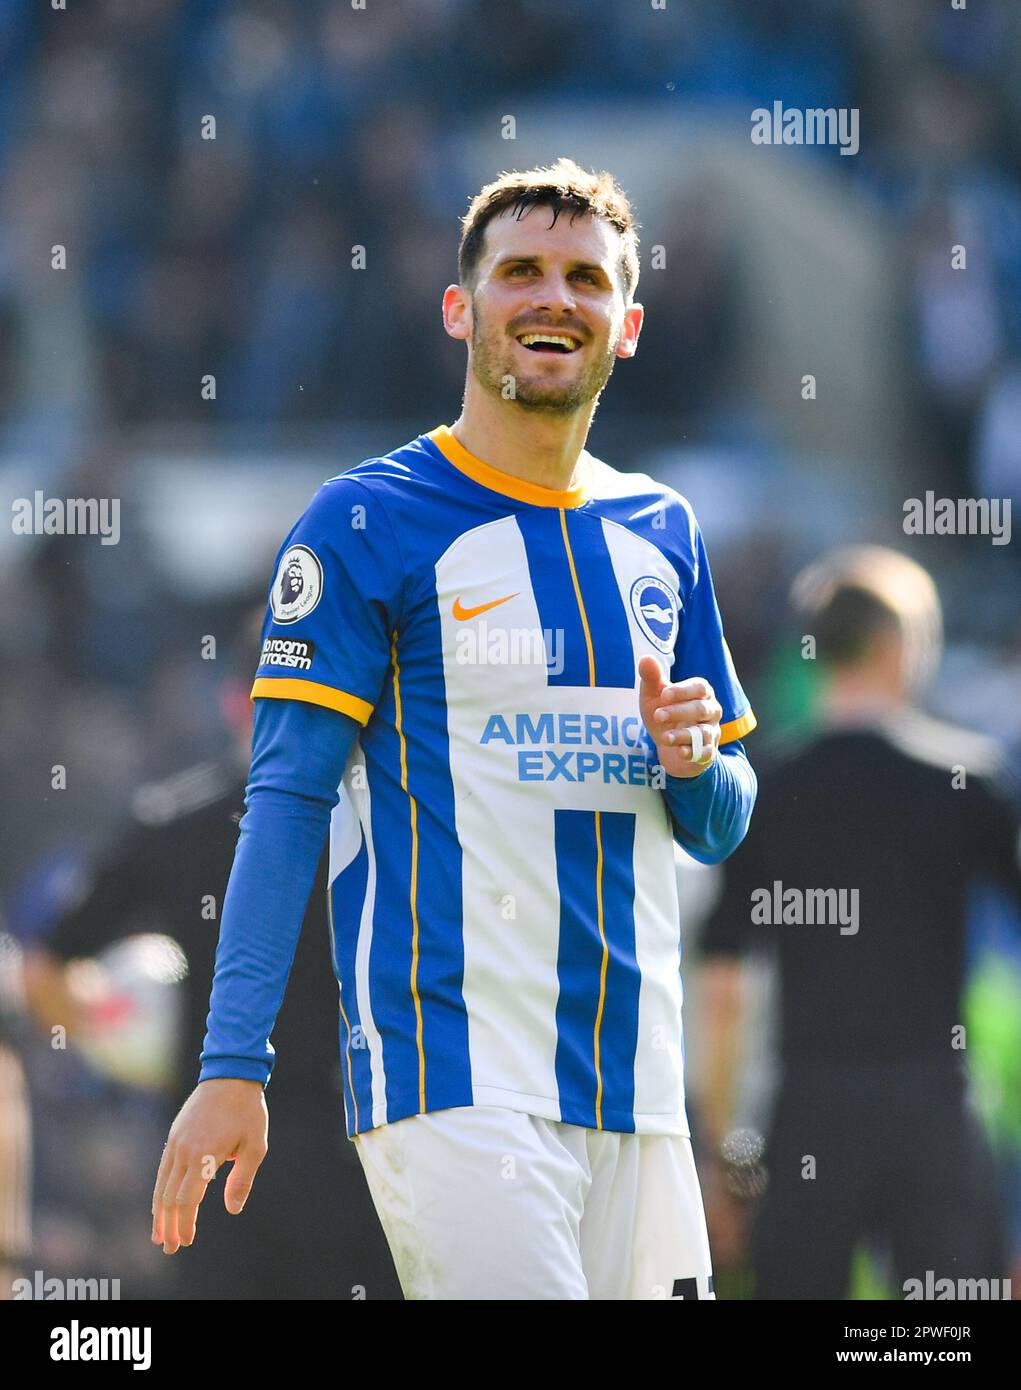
[(177, 851), (873, 1086)]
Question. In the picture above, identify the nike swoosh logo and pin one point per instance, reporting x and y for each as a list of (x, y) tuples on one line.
[(463, 614)]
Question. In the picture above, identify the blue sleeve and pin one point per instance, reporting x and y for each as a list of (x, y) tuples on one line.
[(701, 648), (334, 603), (711, 812), (299, 753)]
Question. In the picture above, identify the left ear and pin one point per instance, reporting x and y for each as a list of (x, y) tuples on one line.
[(457, 314), (633, 319)]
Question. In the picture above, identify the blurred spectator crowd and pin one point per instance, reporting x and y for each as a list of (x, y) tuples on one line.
[(334, 128)]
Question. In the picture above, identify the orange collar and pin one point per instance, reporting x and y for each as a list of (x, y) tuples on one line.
[(497, 481)]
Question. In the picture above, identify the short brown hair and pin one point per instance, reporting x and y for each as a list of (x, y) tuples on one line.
[(855, 594), (565, 187)]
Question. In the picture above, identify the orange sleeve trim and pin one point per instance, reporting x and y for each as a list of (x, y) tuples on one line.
[(737, 728), (287, 688)]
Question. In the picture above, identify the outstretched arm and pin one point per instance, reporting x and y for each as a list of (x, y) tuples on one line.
[(299, 752)]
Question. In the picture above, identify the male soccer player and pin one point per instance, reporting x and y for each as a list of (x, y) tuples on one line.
[(496, 667)]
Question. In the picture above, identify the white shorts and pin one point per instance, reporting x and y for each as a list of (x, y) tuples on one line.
[(479, 1202)]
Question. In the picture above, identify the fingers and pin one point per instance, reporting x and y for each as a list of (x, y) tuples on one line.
[(162, 1179), (163, 1173), (189, 1196), (691, 701), (682, 737), (240, 1178), (164, 1230), (696, 744), (693, 688), (180, 1187), (678, 713), (684, 716)]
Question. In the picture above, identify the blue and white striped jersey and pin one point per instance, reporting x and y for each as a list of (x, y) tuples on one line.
[(502, 887)]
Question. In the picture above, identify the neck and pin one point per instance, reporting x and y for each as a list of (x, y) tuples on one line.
[(536, 446), (856, 697)]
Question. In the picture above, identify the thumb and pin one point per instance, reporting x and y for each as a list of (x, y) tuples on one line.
[(239, 1182), (651, 674)]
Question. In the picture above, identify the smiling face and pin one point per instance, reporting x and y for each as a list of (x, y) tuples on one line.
[(547, 310)]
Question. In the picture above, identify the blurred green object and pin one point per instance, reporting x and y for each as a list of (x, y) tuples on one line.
[(867, 1282), (992, 1015), (790, 687)]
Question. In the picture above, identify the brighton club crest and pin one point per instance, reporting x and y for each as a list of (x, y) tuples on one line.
[(655, 606)]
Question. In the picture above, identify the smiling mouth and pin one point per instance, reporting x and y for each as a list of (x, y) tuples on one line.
[(549, 342)]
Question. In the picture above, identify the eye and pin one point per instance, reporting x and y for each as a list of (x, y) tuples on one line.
[(515, 268), (586, 275)]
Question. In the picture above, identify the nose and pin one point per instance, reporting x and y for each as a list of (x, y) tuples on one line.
[(553, 294)]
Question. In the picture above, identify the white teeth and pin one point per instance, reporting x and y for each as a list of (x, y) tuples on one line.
[(527, 339)]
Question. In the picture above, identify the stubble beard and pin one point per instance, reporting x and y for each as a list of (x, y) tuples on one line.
[(492, 365)]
